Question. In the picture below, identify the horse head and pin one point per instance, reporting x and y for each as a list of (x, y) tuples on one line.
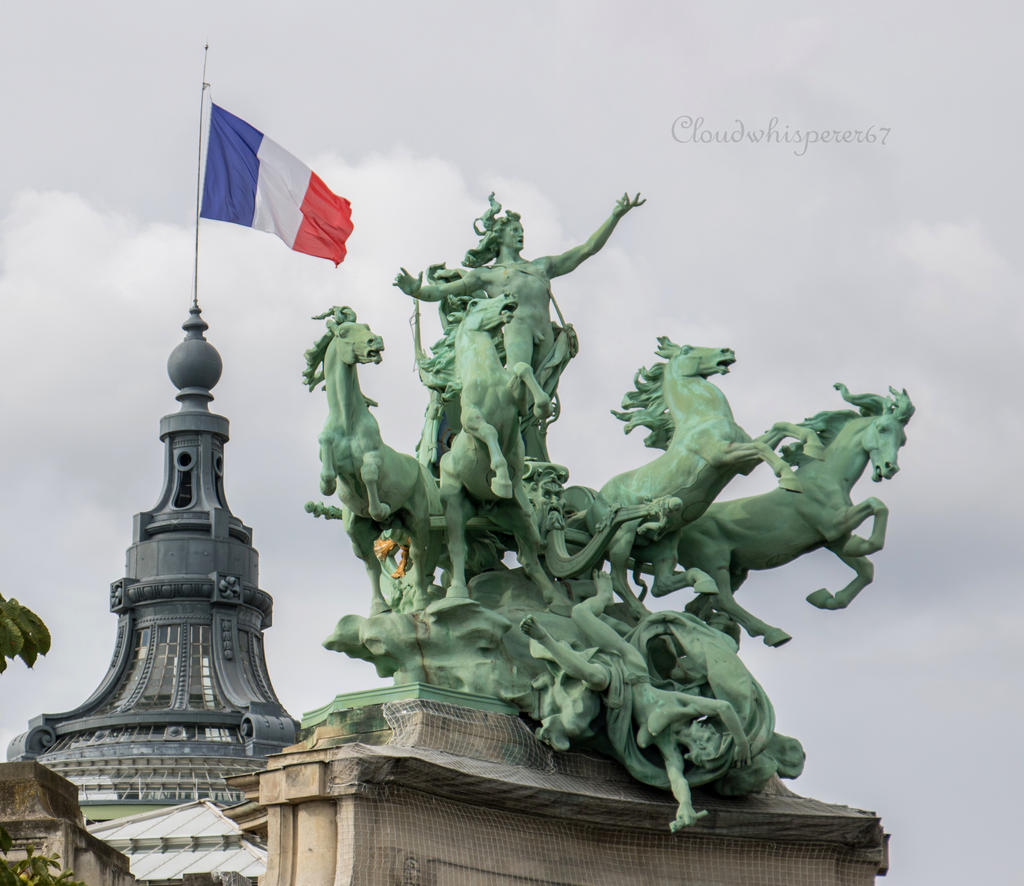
[(686, 361), (356, 342), (885, 434), (485, 314), (647, 406)]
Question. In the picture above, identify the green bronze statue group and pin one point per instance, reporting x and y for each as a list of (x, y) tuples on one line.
[(572, 646)]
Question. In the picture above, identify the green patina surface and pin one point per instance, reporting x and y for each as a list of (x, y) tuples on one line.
[(560, 638), (350, 702)]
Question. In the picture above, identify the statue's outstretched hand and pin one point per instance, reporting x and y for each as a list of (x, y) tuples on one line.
[(409, 284), (625, 203)]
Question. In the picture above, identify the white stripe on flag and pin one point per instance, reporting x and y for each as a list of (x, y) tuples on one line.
[(280, 190)]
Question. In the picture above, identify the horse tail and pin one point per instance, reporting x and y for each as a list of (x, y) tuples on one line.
[(313, 374)]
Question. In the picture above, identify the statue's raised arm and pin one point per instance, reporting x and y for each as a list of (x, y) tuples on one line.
[(414, 286), (557, 265)]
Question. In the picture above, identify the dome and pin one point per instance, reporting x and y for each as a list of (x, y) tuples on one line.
[(194, 363)]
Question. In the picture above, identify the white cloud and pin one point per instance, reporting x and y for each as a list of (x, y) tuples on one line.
[(864, 264), (90, 331), (958, 251)]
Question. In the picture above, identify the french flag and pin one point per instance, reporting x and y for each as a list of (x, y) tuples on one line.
[(253, 181)]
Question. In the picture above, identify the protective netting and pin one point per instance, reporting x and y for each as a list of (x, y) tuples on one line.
[(465, 733), (404, 836), (499, 746), (463, 797)]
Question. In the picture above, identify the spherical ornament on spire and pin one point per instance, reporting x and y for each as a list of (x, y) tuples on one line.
[(194, 363)]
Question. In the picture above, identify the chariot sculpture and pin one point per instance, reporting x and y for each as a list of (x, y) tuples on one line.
[(570, 643)]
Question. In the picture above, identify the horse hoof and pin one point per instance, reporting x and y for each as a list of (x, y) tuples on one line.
[(815, 451), (542, 408), (776, 637), (820, 598), (501, 488)]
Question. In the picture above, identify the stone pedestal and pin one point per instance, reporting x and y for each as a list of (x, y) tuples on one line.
[(420, 792), (40, 808)]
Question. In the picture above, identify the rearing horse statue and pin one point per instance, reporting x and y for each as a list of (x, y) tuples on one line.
[(485, 462), (689, 418), (764, 531), (380, 488)]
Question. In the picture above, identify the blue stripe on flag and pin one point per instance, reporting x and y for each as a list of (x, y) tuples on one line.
[(232, 169)]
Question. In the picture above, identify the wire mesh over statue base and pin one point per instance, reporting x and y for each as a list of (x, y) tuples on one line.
[(419, 792)]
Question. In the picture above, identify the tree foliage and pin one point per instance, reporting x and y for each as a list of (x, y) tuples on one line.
[(22, 634), (33, 870)]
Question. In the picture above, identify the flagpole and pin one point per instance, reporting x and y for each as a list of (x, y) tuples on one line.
[(199, 173)]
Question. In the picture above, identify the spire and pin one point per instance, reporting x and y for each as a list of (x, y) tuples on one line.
[(187, 700), (195, 438), (194, 365)]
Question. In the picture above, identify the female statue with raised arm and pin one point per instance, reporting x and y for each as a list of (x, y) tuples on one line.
[(496, 267)]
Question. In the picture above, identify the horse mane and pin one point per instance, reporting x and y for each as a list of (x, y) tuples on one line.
[(336, 315), (645, 405), (437, 372), (898, 403), (829, 423), (826, 425)]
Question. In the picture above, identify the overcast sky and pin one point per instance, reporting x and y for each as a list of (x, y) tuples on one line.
[(867, 263)]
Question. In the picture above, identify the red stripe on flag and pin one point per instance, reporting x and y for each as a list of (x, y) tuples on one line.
[(326, 222)]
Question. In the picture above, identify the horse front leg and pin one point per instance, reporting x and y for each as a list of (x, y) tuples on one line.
[(456, 512), (619, 549), (724, 601), (667, 579), (363, 534), (370, 474), (856, 546), (474, 424), (523, 372), (735, 454), (422, 542), (865, 570), (664, 559), (779, 431), (328, 472)]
